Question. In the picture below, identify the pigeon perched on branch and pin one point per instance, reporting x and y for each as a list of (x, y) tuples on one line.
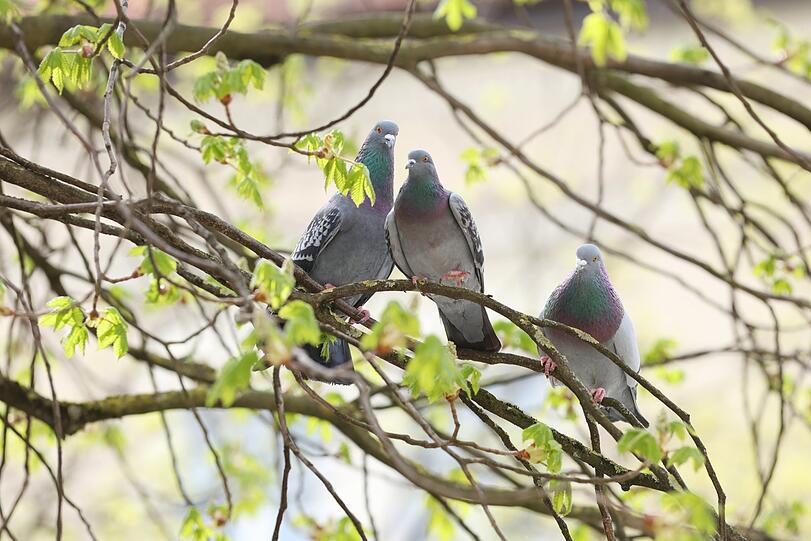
[(431, 235), (587, 301), (345, 243)]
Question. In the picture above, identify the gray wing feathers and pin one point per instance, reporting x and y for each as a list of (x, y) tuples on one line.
[(465, 220), (319, 233), (395, 246), (624, 344)]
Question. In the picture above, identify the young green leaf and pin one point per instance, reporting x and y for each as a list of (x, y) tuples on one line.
[(275, 284), (392, 329), (234, 377), (155, 262), (53, 68), (302, 326), (641, 442), (455, 12), (544, 447), (116, 46), (433, 371), (683, 454), (111, 330), (604, 37)]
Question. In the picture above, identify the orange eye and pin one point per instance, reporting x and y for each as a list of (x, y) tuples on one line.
[(425, 159), (379, 129)]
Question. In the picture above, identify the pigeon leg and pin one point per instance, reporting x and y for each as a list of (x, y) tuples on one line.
[(456, 276), (597, 394), (548, 365), (364, 315), (329, 286)]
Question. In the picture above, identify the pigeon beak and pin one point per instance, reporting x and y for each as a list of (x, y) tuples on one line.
[(410, 163), (390, 140), (581, 263)]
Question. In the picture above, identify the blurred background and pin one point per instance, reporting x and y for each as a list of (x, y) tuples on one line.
[(124, 488)]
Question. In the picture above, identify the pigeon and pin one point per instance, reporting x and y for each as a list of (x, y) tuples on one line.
[(431, 235), (345, 243), (587, 301)]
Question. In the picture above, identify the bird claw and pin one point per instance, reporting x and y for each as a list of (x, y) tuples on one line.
[(597, 395), (329, 286), (548, 365), (456, 276), (364, 316)]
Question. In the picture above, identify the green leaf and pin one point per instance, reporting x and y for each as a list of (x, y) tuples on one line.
[(440, 525), (205, 87), (78, 33), (65, 312), (234, 377), (455, 12), (692, 508), (683, 454), (690, 54), (112, 331), (76, 339), (689, 174), (642, 443), (52, 68), (604, 37), (472, 375), (155, 262), (8, 11), (632, 13), (433, 371), (116, 46), (544, 448), (252, 73), (662, 349), (359, 184), (302, 326), (274, 283), (513, 337), (560, 492), (392, 329)]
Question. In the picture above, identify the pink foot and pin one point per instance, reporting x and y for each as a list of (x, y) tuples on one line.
[(415, 279), (456, 276), (364, 315), (548, 365), (329, 286), (597, 394)]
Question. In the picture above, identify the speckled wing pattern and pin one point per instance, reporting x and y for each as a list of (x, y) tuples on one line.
[(319, 233), (465, 220)]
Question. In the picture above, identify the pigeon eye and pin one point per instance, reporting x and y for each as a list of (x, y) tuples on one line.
[(425, 159), (379, 129), (594, 258)]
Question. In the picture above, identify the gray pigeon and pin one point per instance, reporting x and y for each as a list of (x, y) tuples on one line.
[(345, 243), (431, 235), (587, 301)]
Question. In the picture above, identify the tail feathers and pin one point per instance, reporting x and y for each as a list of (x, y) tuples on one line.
[(629, 401), (338, 355), (490, 342)]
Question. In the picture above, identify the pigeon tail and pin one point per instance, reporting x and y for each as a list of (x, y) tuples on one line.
[(628, 400), (490, 342), (337, 356)]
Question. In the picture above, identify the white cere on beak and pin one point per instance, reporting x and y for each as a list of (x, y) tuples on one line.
[(582, 262), (389, 140), (410, 163)]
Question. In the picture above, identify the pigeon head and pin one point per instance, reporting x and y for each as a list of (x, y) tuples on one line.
[(383, 136), (589, 259), (420, 166), (377, 154), (586, 299)]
